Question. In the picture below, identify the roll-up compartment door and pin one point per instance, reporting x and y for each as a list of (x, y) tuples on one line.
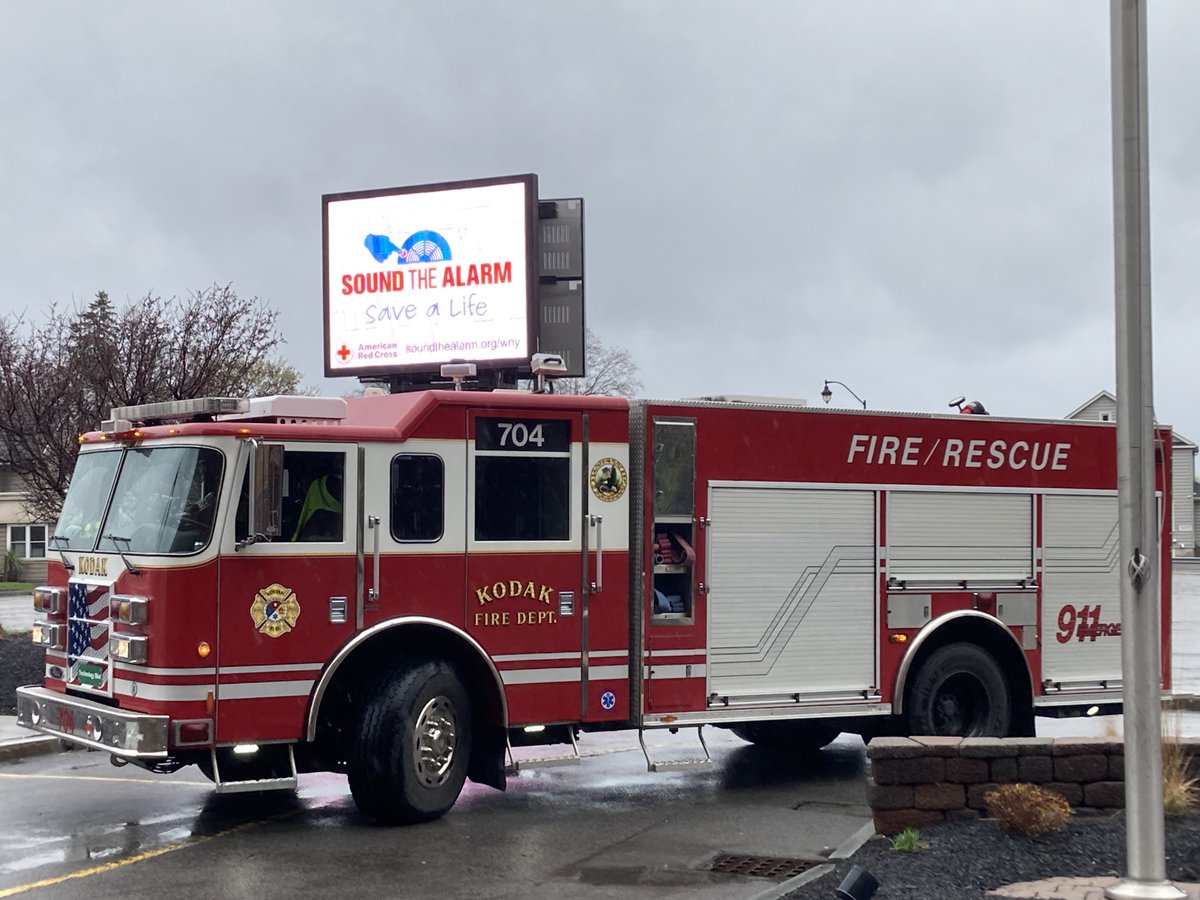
[(793, 595), (1081, 592), (955, 537)]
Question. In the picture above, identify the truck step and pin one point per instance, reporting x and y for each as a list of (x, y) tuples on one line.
[(274, 764), (675, 765), (517, 764)]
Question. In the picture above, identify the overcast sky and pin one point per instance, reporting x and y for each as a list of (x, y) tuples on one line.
[(912, 198)]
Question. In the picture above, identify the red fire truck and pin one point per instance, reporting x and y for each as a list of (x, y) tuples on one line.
[(404, 587)]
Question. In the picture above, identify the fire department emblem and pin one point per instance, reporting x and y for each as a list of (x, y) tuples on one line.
[(275, 610), (608, 479)]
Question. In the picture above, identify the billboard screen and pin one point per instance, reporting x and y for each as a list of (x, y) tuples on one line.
[(418, 276)]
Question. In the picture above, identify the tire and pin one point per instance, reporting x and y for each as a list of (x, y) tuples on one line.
[(959, 691), (411, 745), (793, 737)]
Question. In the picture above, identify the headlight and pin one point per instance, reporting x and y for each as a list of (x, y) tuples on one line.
[(47, 635), (128, 648), (48, 600), (128, 610)]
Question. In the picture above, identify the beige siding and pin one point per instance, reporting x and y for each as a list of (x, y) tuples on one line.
[(1183, 512)]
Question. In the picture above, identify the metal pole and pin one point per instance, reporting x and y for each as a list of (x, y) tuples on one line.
[(1141, 641)]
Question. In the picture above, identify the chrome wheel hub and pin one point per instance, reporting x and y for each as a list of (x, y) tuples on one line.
[(435, 741)]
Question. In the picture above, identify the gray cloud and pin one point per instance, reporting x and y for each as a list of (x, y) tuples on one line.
[(912, 198)]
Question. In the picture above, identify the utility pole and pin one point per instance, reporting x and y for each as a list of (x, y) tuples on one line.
[(1141, 578)]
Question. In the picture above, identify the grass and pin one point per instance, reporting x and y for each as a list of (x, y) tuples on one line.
[(1180, 789), (908, 840), (17, 586)]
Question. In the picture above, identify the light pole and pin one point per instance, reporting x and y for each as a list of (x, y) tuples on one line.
[(827, 394), (1141, 638)]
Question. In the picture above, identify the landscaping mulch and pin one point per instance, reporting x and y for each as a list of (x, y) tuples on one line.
[(21, 662), (964, 860)]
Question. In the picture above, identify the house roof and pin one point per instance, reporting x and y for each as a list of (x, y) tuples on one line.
[(1178, 440), (1103, 395)]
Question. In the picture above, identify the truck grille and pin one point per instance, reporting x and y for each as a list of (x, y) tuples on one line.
[(89, 665)]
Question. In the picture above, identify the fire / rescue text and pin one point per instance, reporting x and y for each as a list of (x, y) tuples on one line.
[(894, 450)]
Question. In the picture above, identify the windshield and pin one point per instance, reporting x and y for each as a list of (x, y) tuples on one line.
[(79, 524), (164, 501)]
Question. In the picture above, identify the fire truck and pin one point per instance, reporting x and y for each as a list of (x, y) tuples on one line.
[(406, 587)]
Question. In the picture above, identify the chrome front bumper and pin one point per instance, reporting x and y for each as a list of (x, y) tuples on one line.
[(90, 724)]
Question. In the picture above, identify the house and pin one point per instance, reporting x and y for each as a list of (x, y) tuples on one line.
[(24, 538), (1185, 505)]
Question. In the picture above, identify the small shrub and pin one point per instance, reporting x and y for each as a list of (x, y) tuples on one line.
[(908, 840), (1180, 791), (1027, 808), (11, 566)]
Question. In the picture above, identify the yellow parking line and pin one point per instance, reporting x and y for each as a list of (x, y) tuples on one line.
[(149, 854), (105, 778)]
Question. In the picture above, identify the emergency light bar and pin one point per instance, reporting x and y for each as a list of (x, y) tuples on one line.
[(277, 408), (171, 410)]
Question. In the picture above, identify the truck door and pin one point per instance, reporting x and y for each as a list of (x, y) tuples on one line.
[(676, 613), (285, 605), (528, 563)]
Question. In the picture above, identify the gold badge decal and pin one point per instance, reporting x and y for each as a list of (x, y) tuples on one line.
[(275, 610), (608, 479)]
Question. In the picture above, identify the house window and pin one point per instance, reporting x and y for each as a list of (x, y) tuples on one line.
[(29, 541)]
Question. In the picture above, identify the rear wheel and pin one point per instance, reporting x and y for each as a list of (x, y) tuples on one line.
[(411, 746), (959, 690), (795, 737)]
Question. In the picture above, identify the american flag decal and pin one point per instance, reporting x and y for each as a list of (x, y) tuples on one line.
[(88, 661)]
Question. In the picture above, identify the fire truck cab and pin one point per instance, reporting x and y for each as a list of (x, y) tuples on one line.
[(403, 587)]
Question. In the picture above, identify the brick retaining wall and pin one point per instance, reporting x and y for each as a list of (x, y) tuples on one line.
[(923, 780)]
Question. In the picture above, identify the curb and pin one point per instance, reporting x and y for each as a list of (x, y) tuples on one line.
[(34, 746), (845, 850)]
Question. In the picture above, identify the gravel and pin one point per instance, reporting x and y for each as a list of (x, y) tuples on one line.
[(20, 663), (964, 860)]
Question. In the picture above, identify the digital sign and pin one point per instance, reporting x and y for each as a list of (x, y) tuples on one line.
[(416, 277)]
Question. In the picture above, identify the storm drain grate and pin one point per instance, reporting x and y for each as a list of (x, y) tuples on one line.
[(758, 866)]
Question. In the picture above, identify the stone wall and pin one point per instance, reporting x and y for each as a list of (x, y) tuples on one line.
[(920, 781)]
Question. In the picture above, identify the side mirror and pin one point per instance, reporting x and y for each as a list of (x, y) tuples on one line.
[(266, 489)]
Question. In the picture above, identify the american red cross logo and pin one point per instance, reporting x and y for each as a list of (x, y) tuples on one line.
[(344, 353)]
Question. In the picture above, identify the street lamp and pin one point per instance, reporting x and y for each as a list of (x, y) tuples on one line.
[(827, 394)]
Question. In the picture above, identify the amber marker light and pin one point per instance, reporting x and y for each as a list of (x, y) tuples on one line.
[(898, 638), (243, 431), (202, 649)]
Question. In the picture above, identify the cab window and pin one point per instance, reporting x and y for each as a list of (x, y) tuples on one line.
[(418, 490)]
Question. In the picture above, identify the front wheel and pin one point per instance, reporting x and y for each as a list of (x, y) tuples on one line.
[(960, 691), (411, 746)]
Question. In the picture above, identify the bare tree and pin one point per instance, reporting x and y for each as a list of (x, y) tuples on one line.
[(610, 370), (62, 377)]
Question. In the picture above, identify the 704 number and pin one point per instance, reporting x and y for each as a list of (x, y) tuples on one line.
[(1084, 624), (518, 434)]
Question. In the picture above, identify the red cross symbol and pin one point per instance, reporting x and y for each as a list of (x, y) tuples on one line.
[(344, 353)]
